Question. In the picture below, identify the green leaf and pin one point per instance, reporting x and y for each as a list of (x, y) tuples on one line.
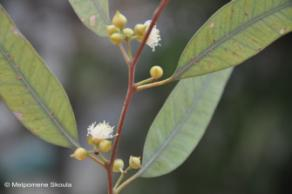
[(236, 32), (31, 91), (93, 13), (181, 123)]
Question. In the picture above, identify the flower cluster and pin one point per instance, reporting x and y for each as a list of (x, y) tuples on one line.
[(100, 131), (118, 33), (99, 136)]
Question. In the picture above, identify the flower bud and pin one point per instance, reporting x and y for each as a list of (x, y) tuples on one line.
[(156, 72), (128, 32), (90, 140), (117, 38), (80, 154), (140, 30), (105, 146), (135, 162), (119, 20), (118, 165), (111, 29), (94, 141)]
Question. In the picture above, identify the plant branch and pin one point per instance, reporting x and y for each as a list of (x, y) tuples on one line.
[(154, 19), (109, 173), (130, 92)]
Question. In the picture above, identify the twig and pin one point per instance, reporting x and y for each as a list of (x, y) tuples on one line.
[(130, 92)]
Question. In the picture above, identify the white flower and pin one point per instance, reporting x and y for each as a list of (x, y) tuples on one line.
[(100, 131), (154, 37)]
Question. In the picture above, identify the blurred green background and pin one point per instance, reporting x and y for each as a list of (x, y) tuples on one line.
[(247, 148)]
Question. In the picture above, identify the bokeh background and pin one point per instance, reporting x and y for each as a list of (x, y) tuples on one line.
[(247, 148)]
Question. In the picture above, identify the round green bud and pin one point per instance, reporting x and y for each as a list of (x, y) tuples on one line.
[(156, 72), (135, 162), (119, 20), (90, 140), (105, 146), (80, 154), (93, 141), (140, 30), (118, 165), (117, 38), (111, 29), (128, 32)]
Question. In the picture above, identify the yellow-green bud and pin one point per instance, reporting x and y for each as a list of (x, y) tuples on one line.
[(140, 30), (105, 146), (128, 32), (80, 154), (117, 38), (90, 140), (135, 162), (156, 72), (119, 20), (111, 29), (94, 141), (118, 165)]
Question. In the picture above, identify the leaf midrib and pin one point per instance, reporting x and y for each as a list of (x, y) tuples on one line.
[(34, 94), (181, 70)]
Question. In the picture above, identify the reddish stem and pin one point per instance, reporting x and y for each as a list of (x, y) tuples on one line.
[(130, 92)]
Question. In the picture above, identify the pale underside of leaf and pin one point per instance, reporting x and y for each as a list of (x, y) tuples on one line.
[(31, 91), (181, 123), (93, 13), (236, 32)]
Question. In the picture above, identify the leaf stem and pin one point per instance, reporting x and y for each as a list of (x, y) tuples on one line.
[(145, 81), (154, 84)]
